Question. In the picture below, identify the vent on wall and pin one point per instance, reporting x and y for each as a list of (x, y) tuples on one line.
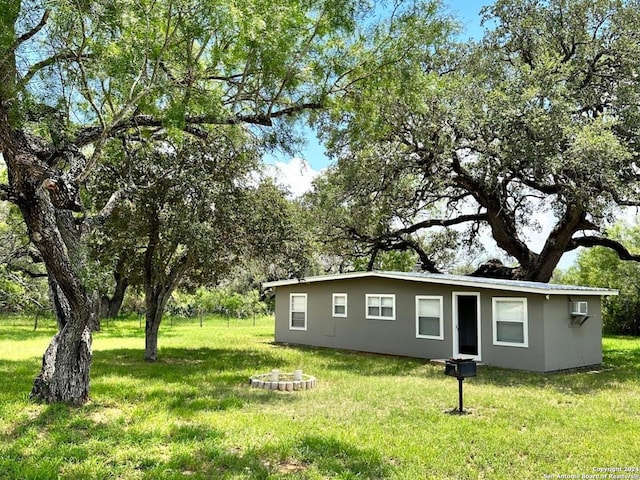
[(578, 313)]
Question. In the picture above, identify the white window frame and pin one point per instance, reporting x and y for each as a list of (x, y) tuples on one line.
[(441, 313), (333, 305), (291, 311), (525, 321), (380, 296)]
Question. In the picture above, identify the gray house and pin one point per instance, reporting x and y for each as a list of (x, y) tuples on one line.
[(504, 323)]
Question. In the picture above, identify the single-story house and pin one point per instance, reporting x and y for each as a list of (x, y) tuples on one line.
[(504, 323)]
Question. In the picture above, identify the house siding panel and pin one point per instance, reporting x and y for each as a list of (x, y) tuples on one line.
[(572, 346), (529, 358), (397, 337)]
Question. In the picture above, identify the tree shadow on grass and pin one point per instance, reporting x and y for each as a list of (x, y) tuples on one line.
[(178, 364), (309, 457), (64, 436), (620, 367), (334, 458), (361, 363), (23, 333), (625, 360), (16, 377), (187, 380)]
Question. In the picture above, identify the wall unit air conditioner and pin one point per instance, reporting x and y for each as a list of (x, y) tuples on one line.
[(579, 308), (578, 313)]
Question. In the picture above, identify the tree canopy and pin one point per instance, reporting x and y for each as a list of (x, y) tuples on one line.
[(542, 115), (76, 75), (435, 141), (196, 210), (601, 267)]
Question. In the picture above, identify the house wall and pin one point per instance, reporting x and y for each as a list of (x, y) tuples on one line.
[(397, 337), (520, 358), (552, 345), (569, 346)]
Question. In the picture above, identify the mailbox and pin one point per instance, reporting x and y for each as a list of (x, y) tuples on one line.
[(460, 367)]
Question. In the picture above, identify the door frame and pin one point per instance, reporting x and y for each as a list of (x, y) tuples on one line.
[(454, 319)]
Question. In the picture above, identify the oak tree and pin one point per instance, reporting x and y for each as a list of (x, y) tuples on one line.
[(540, 117), (196, 210), (75, 75)]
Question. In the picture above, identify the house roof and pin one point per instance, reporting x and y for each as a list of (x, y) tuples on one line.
[(458, 281)]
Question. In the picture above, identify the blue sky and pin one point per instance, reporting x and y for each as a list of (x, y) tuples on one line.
[(468, 13)]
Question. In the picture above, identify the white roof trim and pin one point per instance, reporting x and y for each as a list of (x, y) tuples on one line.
[(458, 281)]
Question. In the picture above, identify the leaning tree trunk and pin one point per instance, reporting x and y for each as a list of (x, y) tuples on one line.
[(46, 198), (64, 376)]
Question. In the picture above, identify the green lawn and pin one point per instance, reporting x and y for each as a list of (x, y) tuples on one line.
[(192, 414)]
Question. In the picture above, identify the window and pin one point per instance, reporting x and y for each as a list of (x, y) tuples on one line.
[(510, 324), (339, 304), (298, 311), (429, 317), (381, 307)]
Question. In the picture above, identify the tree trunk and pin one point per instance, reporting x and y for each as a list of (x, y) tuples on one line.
[(155, 303), (110, 307), (60, 305), (46, 199), (64, 376), (115, 304), (152, 326), (158, 286)]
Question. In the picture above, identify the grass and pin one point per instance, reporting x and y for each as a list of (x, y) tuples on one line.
[(193, 415)]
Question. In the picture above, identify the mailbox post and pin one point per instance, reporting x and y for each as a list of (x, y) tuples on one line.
[(460, 368)]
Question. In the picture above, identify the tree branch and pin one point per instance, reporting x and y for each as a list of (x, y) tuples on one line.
[(547, 189), (27, 272), (592, 241), (36, 67), (92, 134), (436, 222), (500, 218), (26, 36), (115, 199), (178, 270), (426, 263)]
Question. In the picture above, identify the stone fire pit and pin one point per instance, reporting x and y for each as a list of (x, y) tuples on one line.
[(285, 382)]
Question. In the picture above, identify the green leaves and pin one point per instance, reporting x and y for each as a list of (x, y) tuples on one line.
[(541, 116), (602, 267), (182, 62)]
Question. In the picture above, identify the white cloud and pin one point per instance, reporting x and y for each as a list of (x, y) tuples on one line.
[(295, 175)]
